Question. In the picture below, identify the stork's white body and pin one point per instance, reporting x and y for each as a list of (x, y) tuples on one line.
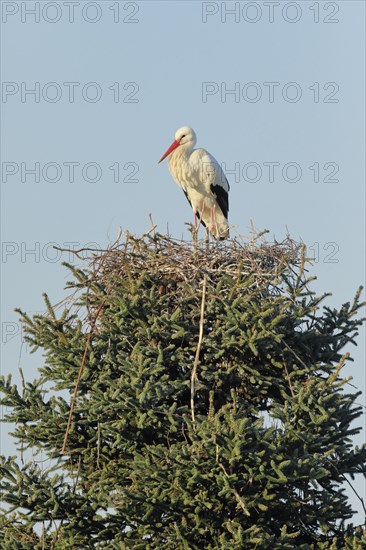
[(201, 177)]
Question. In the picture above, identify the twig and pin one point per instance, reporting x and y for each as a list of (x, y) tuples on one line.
[(56, 533), (356, 493), (298, 358), (150, 231), (77, 252), (98, 444), (289, 381), (295, 354), (23, 387), (237, 496), (116, 242), (113, 246), (153, 225), (77, 476), (200, 337)]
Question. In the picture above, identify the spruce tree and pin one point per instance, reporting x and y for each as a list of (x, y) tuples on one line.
[(192, 396)]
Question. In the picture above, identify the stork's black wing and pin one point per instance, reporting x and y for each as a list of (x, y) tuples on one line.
[(222, 197)]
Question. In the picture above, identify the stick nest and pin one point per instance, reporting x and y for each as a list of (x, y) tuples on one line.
[(185, 261)]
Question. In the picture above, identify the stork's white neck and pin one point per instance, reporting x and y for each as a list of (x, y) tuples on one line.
[(179, 163), (181, 154)]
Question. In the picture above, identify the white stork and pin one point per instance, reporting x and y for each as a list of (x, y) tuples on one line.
[(202, 180)]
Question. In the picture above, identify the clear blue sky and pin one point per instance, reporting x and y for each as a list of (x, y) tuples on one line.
[(174, 64)]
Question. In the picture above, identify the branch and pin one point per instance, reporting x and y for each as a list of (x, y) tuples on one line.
[(79, 250), (294, 354), (200, 337), (113, 246), (237, 496), (289, 380), (355, 492)]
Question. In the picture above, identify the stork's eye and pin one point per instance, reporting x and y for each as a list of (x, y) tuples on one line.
[(183, 136)]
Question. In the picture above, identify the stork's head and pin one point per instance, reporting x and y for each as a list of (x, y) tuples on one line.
[(184, 137)]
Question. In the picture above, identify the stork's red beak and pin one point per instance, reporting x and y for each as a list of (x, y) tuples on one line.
[(173, 146)]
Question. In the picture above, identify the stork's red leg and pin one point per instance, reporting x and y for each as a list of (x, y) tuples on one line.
[(199, 218)]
